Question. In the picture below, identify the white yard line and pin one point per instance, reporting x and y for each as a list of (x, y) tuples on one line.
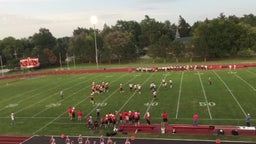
[(253, 73), (160, 84), (205, 97), (178, 103), (21, 94), (132, 95), (50, 122), (231, 93), (245, 82), (107, 97), (53, 86), (65, 96), (47, 97)]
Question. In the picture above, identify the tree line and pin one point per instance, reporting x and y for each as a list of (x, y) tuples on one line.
[(128, 41)]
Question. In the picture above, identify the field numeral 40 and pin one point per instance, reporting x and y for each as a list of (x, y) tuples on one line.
[(207, 104), (151, 104), (101, 104)]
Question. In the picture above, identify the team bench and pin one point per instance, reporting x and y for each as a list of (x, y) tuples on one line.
[(177, 127), (133, 127), (193, 127)]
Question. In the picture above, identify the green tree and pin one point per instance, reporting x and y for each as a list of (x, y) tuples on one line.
[(134, 30), (118, 44), (177, 50), (41, 41), (183, 27)]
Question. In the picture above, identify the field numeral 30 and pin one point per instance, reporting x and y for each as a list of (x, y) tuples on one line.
[(207, 104)]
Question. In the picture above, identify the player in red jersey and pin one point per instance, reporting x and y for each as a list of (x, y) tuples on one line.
[(70, 113), (79, 115), (165, 118)]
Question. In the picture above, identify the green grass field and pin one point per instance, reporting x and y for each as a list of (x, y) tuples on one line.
[(39, 110)]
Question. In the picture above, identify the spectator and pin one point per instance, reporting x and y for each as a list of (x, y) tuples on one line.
[(248, 120), (67, 141), (195, 118), (80, 139), (148, 117), (109, 141), (127, 141), (52, 140), (87, 141)]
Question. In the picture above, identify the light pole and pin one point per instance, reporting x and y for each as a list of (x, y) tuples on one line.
[(1, 60), (94, 20)]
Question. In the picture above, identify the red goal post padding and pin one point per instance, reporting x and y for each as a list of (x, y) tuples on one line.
[(29, 63)]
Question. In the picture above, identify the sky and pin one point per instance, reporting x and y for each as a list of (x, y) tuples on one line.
[(23, 18)]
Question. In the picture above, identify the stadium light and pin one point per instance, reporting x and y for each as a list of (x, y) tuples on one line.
[(94, 21)]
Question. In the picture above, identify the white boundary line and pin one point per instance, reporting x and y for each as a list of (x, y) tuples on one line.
[(178, 103), (231, 93), (205, 97), (27, 139), (245, 82)]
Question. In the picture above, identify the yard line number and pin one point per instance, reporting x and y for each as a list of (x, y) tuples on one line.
[(207, 104), (11, 105), (101, 104), (151, 104), (53, 105)]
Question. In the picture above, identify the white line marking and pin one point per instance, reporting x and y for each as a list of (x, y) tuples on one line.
[(160, 84), (24, 99), (231, 93), (245, 82), (50, 122), (66, 97), (178, 103), (133, 95), (205, 97), (108, 96)]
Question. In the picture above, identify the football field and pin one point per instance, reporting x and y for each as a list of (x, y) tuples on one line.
[(40, 110)]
